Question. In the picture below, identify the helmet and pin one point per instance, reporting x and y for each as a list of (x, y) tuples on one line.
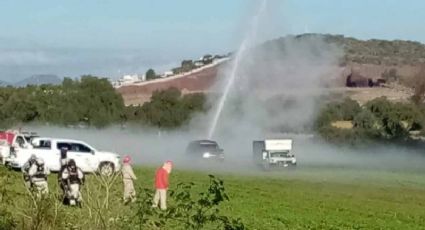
[(40, 161), (33, 157), (72, 164), (126, 159)]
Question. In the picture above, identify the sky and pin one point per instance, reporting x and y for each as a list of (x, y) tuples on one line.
[(110, 38)]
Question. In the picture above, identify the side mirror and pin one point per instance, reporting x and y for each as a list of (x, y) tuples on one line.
[(92, 151)]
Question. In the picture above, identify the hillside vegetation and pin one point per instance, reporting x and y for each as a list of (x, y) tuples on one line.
[(374, 51)]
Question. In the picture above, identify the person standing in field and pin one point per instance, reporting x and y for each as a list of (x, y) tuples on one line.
[(73, 177), (63, 161), (128, 177), (161, 185), (38, 176)]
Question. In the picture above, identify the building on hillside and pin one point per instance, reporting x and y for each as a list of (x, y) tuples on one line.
[(128, 80), (166, 74)]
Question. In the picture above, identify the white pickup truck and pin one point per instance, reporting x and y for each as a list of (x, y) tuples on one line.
[(87, 158)]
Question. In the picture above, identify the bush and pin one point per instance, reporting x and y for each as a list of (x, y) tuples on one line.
[(188, 211), (378, 119), (7, 220), (168, 109)]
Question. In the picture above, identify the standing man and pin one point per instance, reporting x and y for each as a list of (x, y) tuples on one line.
[(161, 185), (128, 177), (63, 157), (63, 163), (38, 176)]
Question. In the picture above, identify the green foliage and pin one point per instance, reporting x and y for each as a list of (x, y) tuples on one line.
[(312, 198), (150, 74), (187, 65), (167, 109), (197, 213), (7, 220), (207, 59), (396, 119), (90, 100), (378, 119), (187, 212), (43, 212)]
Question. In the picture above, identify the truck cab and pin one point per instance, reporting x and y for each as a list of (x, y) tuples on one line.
[(12, 142), (274, 153), (205, 150)]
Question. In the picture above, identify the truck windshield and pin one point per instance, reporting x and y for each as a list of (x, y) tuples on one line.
[(279, 154), (210, 147)]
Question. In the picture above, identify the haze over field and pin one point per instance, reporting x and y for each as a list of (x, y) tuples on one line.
[(299, 69)]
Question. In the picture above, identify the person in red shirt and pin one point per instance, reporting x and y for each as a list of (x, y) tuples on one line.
[(161, 185)]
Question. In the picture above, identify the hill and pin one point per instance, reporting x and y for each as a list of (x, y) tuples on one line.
[(369, 58), (373, 51), (4, 83), (40, 79)]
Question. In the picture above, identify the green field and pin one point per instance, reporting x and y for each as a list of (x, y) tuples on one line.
[(311, 198)]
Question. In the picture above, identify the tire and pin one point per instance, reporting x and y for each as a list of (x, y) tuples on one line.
[(106, 169)]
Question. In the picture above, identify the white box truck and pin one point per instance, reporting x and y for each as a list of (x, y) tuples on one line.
[(274, 153)]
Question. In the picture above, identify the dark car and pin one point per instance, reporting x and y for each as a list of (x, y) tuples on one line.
[(205, 149)]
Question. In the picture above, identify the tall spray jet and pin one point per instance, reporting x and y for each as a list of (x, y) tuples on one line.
[(246, 43)]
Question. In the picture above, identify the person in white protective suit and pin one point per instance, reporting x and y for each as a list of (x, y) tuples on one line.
[(38, 176), (74, 178), (25, 171)]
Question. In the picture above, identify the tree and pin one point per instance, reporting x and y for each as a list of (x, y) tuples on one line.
[(168, 108), (392, 117), (419, 86), (207, 59), (90, 99), (187, 65), (150, 74)]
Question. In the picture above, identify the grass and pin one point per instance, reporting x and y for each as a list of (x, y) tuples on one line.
[(308, 198)]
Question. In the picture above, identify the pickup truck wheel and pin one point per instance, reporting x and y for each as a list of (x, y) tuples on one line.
[(106, 169)]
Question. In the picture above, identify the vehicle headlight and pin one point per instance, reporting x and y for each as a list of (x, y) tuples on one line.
[(206, 155), (294, 161)]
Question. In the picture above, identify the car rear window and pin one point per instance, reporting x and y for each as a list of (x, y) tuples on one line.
[(44, 144)]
